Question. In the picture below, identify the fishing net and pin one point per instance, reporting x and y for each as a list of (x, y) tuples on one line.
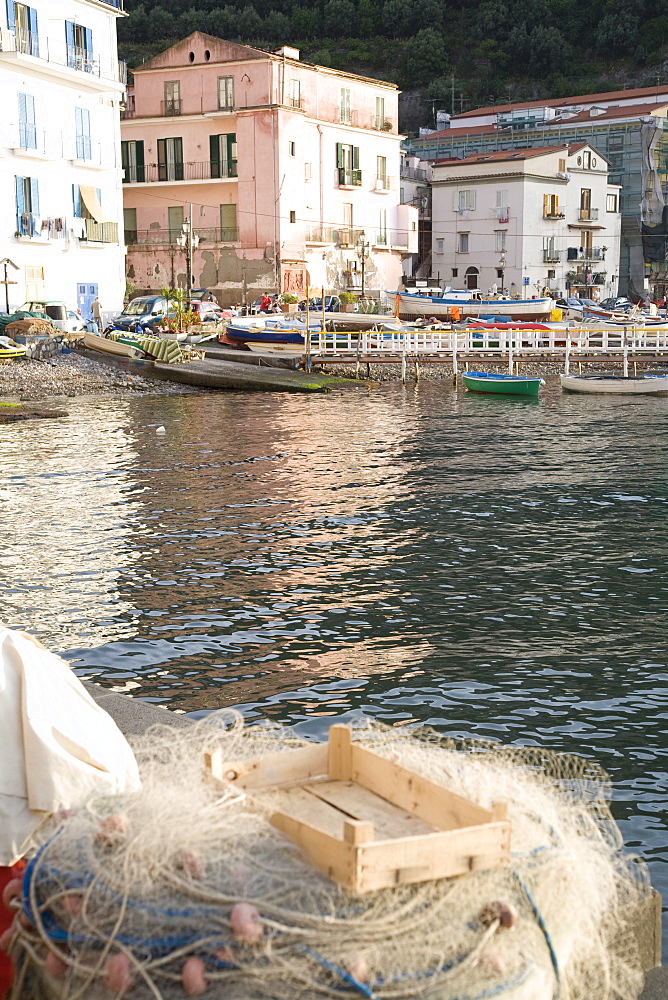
[(185, 889)]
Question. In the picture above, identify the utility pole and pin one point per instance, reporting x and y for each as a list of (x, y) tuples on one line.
[(5, 263), (362, 249)]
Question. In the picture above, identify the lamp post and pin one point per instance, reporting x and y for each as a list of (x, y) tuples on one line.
[(362, 249), (189, 242), (502, 267)]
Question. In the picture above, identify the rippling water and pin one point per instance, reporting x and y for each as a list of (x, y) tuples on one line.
[(491, 566)]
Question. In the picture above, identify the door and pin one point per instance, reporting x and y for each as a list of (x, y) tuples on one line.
[(471, 277), (86, 292), (175, 221)]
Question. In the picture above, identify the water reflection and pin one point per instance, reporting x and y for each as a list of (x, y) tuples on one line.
[(490, 568)]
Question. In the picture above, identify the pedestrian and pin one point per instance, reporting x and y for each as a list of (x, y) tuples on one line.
[(265, 303), (96, 310)]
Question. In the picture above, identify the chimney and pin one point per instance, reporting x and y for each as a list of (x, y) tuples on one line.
[(287, 52)]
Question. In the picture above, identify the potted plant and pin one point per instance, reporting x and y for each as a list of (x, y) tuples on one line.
[(287, 301), (347, 300)]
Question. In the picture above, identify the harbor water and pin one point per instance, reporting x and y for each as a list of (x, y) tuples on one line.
[(492, 566)]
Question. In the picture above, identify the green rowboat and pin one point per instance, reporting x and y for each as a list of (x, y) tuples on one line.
[(507, 385)]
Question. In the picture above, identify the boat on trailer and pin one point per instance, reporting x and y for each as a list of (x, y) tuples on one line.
[(628, 385), (506, 385)]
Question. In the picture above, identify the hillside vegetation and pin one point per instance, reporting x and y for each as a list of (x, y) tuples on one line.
[(453, 56)]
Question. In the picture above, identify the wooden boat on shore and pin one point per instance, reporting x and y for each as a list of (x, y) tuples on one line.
[(506, 385), (114, 347), (627, 385), (448, 307)]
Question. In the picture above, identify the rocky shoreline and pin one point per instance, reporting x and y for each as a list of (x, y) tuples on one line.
[(442, 371), (71, 375)]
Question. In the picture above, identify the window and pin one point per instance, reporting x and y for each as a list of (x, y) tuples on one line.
[(499, 272), (175, 221), (223, 154), (22, 20), (130, 225), (551, 274), (549, 252), (439, 246), (27, 206), (170, 159), (611, 203), (381, 172), (551, 207), (462, 243), (586, 159), (455, 272), (348, 164), (228, 224), (466, 201), (499, 240), (585, 203), (616, 141), (586, 241), (346, 233), (172, 105), (27, 130), (502, 199), (292, 148), (562, 166), (225, 93), (79, 42), (308, 171), (293, 216), (82, 119), (132, 160), (380, 112), (381, 239), (346, 116), (295, 94)]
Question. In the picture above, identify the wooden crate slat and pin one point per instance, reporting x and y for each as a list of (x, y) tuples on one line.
[(339, 761), (437, 855), (271, 770), (362, 804), (331, 856), (302, 805), (425, 799)]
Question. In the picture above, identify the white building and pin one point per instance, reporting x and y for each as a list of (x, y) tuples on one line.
[(61, 86), (527, 220)]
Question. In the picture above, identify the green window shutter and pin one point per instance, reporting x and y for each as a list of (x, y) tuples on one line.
[(139, 155), (178, 159), (339, 155), (356, 157), (232, 154)]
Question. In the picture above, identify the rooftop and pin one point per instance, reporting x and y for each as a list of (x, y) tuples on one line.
[(660, 94)]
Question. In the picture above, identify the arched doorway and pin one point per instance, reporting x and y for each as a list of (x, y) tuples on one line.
[(471, 277)]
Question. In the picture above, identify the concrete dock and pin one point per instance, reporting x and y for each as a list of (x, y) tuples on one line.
[(133, 717)]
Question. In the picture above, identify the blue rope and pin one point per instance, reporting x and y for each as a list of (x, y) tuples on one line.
[(546, 934)]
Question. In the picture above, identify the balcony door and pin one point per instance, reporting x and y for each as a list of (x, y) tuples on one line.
[(585, 203), (170, 159)]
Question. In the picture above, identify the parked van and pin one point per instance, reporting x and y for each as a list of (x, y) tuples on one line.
[(142, 310)]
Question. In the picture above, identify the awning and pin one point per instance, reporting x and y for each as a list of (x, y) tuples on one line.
[(92, 203), (571, 225)]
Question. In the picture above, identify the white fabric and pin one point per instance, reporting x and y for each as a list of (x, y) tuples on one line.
[(56, 744)]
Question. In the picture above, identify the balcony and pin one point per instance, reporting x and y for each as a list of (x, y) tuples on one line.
[(414, 173), (171, 108), (320, 234), (384, 184), (199, 170), (349, 178), (101, 232), (56, 56), (586, 253), (348, 237), (552, 256), (296, 102), (554, 214), (168, 237), (587, 214)]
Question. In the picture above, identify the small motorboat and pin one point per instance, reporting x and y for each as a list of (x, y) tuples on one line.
[(94, 342), (630, 385), (508, 385)]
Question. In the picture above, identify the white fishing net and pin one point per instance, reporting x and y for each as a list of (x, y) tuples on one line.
[(185, 889)]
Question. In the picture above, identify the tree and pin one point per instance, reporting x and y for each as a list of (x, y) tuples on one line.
[(338, 18), (425, 57), (250, 23), (224, 22), (162, 24), (548, 50), (277, 26)]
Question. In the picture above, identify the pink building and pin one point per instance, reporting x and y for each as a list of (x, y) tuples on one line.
[(288, 171)]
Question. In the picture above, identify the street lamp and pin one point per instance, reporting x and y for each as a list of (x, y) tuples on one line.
[(189, 241), (362, 249), (502, 267), (5, 263)]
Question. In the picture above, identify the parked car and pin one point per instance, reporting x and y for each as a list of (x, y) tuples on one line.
[(75, 323), (575, 303), (620, 303), (142, 310), (56, 311), (332, 304)]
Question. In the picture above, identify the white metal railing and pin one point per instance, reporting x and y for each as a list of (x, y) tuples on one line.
[(446, 340), (50, 50)]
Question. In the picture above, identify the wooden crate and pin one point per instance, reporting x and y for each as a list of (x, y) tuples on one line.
[(366, 822)]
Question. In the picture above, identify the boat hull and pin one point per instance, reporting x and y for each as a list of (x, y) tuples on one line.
[(411, 307), (114, 347), (505, 385), (647, 385)]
